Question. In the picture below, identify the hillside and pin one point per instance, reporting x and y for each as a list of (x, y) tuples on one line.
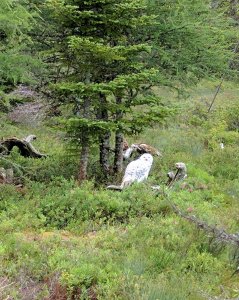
[(61, 240)]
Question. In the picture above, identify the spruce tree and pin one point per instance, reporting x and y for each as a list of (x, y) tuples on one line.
[(113, 52), (16, 61), (107, 66)]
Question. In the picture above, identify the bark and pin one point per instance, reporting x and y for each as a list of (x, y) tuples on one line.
[(85, 144), (104, 139), (84, 159), (25, 147), (104, 152), (119, 142), (118, 159)]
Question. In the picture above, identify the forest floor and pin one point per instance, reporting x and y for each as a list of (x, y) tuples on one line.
[(62, 241)]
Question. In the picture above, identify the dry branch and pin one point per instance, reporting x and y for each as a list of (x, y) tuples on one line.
[(25, 147), (219, 234)]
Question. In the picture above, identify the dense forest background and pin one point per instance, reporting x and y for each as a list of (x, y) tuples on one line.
[(84, 77)]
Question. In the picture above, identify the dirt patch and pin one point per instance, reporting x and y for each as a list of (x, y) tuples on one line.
[(59, 292), (30, 114), (31, 290), (23, 288), (29, 106)]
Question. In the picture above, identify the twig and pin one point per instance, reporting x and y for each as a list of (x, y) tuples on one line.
[(222, 79)]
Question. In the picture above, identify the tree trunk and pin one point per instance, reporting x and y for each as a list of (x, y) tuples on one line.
[(118, 160), (104, 139), (85, 144), (104, 152), (119, 138), (84, 158)]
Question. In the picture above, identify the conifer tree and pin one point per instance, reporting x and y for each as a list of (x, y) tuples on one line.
[(16, 61), (105, 59), (113, 51)]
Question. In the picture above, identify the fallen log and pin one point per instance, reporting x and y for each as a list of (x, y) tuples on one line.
[(24, 145)]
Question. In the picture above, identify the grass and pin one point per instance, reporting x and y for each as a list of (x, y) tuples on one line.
[(58, 239)]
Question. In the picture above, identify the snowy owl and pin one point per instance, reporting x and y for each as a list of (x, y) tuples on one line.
[(136, 171)]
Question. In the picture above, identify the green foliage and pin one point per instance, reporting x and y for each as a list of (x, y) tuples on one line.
[(95, 52), (183, 37), (221, 166), (111, 53), (27, 257), (80, 207), (16, 64), (4, 103), (233, 118), (86, 241), (110, 64)]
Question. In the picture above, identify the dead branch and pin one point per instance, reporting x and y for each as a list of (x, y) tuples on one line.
[(115, 187), (24, 145), (219, 234), (223, 77)]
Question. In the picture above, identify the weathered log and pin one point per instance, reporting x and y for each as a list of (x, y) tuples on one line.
[(24, 145)]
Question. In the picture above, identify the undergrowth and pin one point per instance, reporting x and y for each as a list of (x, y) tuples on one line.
[(59, 239)]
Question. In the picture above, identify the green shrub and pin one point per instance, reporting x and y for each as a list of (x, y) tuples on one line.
[(232, 117), (63, 207), (20, 257), (223, 164)]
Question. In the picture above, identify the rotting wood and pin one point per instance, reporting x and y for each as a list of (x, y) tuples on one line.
[(24, 145)]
